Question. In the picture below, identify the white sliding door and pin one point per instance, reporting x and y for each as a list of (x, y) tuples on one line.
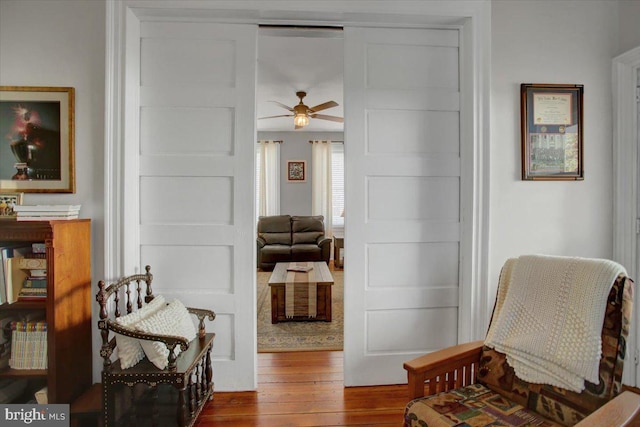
[(194, 172), (403, 196)]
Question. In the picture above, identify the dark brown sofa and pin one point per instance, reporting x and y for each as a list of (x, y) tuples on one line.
[(285, 238)]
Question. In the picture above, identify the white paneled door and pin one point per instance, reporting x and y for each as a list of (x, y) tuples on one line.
[(403, 198), (196, 107)]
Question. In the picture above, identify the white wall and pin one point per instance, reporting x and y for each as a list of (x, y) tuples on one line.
[(295, 198), (562, 42), (629, 15), (62, 43)]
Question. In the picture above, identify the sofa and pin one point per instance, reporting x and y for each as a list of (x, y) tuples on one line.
[(286, 238)]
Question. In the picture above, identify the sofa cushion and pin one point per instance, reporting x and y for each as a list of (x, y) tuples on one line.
[(473, 405), (563, 406), (305, 252), (275, 253), (307, 229), (310, 237), (275, 230)]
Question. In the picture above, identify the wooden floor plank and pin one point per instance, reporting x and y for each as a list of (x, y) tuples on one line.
[(302, 389)]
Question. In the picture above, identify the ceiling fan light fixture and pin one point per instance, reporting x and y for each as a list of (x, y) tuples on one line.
[(301, 120)]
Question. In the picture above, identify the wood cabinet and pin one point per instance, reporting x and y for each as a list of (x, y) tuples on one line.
[(67, 307)]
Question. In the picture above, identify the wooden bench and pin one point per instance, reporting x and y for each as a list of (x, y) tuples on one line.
[(143, 393)]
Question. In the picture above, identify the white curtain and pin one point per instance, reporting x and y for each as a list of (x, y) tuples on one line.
[(269, 189), (321, 183)]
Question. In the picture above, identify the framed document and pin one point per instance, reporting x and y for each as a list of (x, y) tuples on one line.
[(551, 131)]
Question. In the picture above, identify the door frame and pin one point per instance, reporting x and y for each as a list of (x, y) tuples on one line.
[(472, 18), (626, 186)]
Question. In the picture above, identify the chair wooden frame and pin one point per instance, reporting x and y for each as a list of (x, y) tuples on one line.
[(190, 373)]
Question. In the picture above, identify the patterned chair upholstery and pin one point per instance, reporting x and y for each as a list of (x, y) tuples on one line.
[(472, 385)]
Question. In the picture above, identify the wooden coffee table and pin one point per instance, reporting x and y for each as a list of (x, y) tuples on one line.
[(320, 274)]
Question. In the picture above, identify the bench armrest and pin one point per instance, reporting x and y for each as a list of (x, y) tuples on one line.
[(621, 411), (201, 314), (170, 341), (440, 367)]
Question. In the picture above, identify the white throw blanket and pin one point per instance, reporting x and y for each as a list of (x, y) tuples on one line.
[(548, 318)]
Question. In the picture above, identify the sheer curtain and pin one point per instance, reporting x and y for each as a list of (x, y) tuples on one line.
[(269, 185), (321, 203)]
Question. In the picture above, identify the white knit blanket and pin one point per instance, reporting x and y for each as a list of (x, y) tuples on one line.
[(548, 318)]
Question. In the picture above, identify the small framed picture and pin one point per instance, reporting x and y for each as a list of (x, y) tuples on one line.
[(551, 121), (296, 170), (7, 202)]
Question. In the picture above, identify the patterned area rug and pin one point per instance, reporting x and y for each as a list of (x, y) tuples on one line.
[(299, 336)]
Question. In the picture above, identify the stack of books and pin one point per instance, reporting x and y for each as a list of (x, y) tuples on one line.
[(28, 345), (23, 273), (34, 286), (46, 212)]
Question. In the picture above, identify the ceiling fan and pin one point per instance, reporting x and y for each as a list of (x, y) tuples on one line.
[(302, 113)]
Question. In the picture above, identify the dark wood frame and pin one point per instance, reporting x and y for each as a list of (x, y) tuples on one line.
[(556, 130), (291, 177)]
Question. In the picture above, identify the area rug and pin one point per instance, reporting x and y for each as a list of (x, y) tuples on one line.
[(299, 336)]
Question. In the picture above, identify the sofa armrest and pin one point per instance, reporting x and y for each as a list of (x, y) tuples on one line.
[(445, 369), (260, 242), (623, 410), (323, 240)]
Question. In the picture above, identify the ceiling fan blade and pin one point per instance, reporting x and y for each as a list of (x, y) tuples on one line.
[(273, 117), (328, 104), (325, 117), (283, 106)]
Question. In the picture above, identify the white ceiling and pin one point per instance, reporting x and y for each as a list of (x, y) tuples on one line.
[(298, 59)]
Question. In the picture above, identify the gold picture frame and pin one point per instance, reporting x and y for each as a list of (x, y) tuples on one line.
[(296, 171), (7, 202), (37, 153), (551, 131)]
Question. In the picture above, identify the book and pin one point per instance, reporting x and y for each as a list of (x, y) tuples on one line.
[(299, 269), (38, 249), (46, 218), (38, 274), (28, 345), (48, 208), (33, 263), (7, 253), (35, 283), (33, 291), (14, 280)]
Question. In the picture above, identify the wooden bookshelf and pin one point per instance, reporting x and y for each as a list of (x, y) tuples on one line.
[(67, 307)]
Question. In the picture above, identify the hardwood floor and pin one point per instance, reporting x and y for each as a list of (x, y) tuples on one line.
[(306, 389)]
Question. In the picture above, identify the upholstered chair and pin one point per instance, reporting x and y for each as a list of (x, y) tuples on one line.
[(474, 385)]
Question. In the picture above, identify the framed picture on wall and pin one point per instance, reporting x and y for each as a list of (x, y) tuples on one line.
[(296, 170), (37, 148), (551, 132)]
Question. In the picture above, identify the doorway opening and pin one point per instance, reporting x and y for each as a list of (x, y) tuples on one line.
[(300, 66)]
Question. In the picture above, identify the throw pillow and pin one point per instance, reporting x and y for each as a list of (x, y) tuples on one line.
[(130, 351), (174, 319)]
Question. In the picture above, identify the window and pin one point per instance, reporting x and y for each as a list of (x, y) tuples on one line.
[(337, 184)]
